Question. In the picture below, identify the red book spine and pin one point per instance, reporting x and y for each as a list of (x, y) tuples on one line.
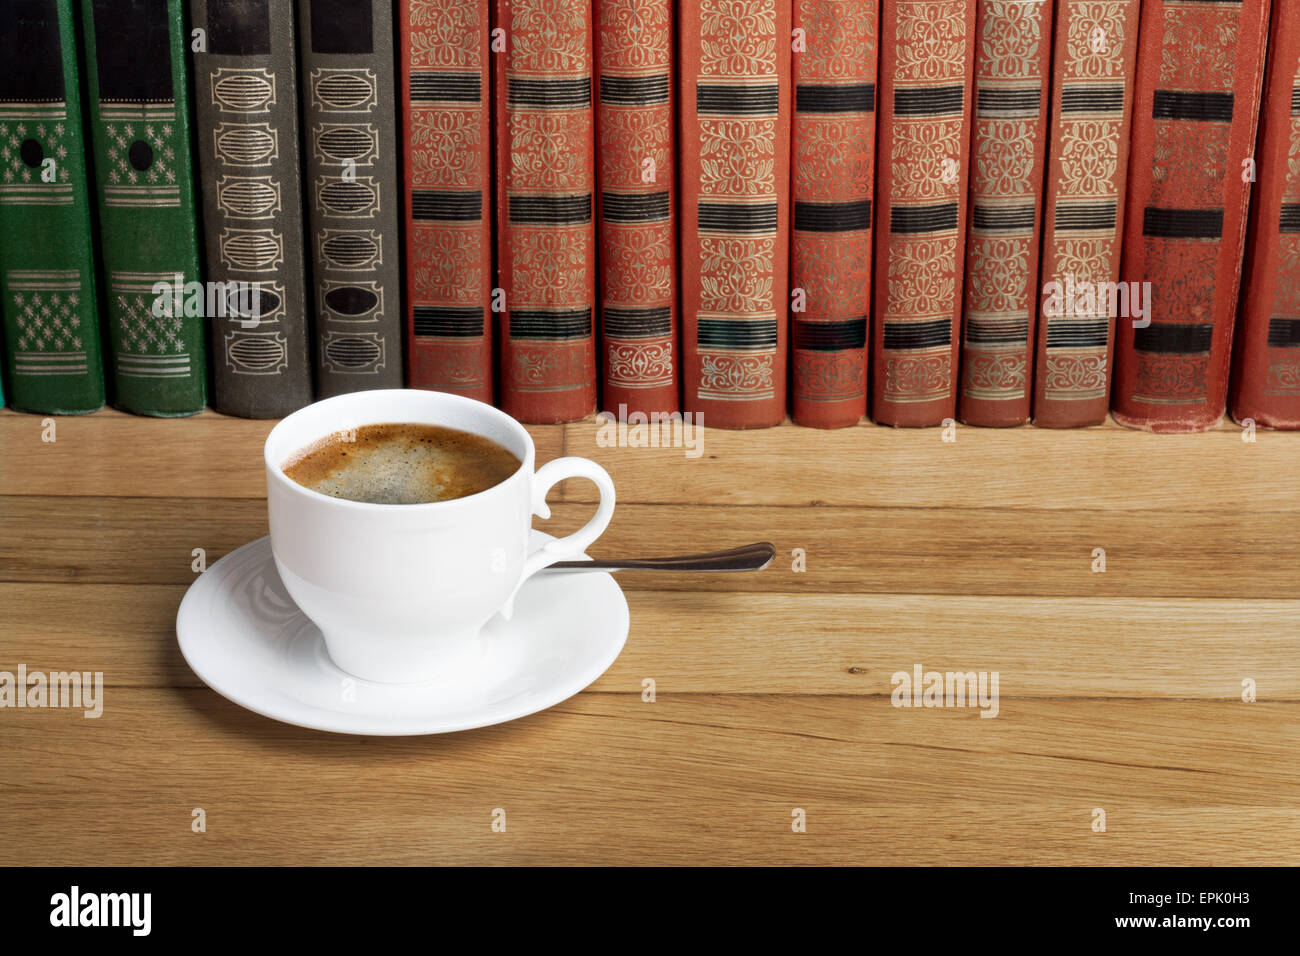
[(546, 231), (1266, 370), (1200, 70), (447, 132), (1013, 63), (926, 61), (834, 143), (735, 208), (1083, 220), (635, 203)]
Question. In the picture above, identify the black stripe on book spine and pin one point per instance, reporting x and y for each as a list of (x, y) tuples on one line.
[(737, 217), (1003, 218), (638, 323), (1092, 98), (239, 27), (453, 322), (830, 336), (745, 334), (341, 26), (634, 90), (819, 98), (1182, 223), (1201, 106), (133, 51), (1295, 102), (996, 331), (918, 335), (1175, 338), (1094, 215), (31, 53), (1008, 101), (1284, 333), (446, 87), (446, 206), (549, 94), (833, 216), (1289, 221), (551, 325), (635, 207), (1076, 334), (550, 210), (929, 101), (938, 218), (732, 100)]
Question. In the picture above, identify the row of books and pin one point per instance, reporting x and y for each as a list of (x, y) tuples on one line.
[(991, 210)]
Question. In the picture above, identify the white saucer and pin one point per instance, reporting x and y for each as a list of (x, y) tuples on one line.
[(246, 639)]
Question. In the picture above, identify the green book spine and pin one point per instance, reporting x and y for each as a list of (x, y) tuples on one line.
[(139, 116), (48, 290)]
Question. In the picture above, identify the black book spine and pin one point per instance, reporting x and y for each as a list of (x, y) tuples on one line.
[(350, 122), (247, 110)]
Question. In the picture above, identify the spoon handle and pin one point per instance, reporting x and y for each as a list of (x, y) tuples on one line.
[(752, 557)]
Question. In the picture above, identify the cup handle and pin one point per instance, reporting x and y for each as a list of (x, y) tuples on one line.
[(571, 546)]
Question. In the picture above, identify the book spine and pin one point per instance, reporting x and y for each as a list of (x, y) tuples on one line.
[(48, 285), (1200, 70), (735, 82), (259, 338), (350, 123), (447, 131), (926, 67), (1266, 370), (1083, 219), (834, 154), (547, 236), (137, 74), (1013, 66), (635, 205)]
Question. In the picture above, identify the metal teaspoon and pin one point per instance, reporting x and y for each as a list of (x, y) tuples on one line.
[(752, 557)]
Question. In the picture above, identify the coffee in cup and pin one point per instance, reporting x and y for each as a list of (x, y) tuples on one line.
[(402, 464), (401, 592)]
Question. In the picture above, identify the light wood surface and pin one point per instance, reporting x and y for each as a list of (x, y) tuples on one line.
[(1119, 691)]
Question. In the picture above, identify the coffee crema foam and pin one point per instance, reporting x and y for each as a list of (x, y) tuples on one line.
[(402, 464)]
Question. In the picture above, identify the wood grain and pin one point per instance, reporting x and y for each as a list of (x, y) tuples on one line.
[(811, 644), (684, 780), (1125, 470), (111, 453), (1035, 468), (1119, 690), (860, 550)]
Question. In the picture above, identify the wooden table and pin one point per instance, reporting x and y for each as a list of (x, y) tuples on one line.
[(1119, 690)]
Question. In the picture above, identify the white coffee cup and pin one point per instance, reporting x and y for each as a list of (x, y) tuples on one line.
[(402, 591)]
